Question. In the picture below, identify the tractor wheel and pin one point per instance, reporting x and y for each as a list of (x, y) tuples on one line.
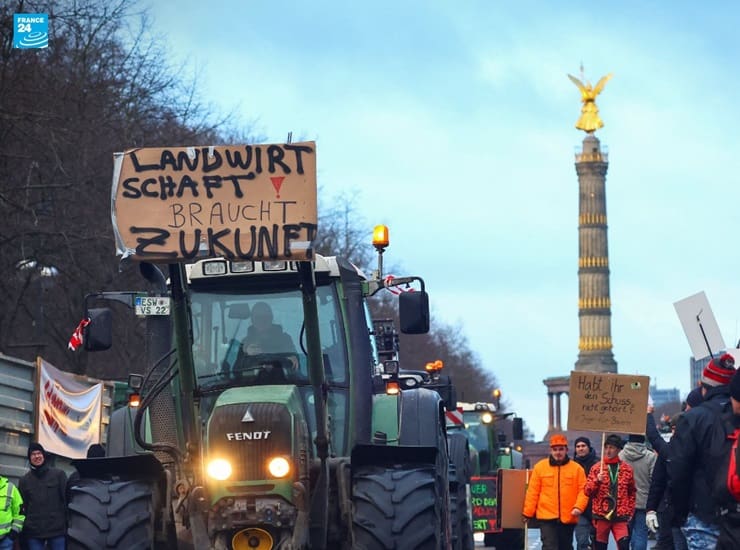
[(398, 507), (106, 514), (460, 469)]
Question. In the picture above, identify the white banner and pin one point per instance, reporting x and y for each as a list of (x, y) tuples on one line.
[(69, 411)]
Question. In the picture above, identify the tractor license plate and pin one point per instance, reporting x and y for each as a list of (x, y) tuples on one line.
[(151, 305), (240, 504)]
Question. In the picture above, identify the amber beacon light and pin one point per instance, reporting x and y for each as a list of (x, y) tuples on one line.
[(380, 237)]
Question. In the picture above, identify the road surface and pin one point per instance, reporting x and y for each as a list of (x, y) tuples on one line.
[(534, 542)]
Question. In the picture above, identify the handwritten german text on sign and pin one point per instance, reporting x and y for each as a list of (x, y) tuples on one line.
[(607, 402), (245, 202), (484, 503)]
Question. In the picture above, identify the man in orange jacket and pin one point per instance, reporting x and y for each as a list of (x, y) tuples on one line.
[(555, 496)]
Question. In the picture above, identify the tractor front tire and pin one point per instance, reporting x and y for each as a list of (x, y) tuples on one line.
[(109, 514), (398, 507)]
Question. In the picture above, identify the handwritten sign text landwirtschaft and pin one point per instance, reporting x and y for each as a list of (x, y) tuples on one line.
[(248, 202)]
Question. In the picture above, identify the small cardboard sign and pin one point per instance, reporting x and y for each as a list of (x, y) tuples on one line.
[(602, 402), (241, 202), (513, 484)]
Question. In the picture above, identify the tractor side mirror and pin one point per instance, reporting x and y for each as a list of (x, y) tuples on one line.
[(413, 310), (99, 333), (517, 428)]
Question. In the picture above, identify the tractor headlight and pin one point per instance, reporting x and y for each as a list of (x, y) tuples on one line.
[(278, 466), (219, 469), (486, 418)]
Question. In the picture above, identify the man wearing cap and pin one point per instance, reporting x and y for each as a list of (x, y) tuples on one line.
[(693, 399), (555, 496), (611, 485), (43, 491), (586, 457), (697, 451)]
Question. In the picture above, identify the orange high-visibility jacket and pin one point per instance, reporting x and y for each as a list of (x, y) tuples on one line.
[(554, 491)]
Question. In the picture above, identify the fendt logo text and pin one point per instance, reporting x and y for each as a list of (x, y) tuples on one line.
[(248, 436)]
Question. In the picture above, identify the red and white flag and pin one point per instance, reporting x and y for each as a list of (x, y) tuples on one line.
[(77, 339)]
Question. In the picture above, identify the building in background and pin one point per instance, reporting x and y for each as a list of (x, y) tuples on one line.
[(664, 395), (697, 366)]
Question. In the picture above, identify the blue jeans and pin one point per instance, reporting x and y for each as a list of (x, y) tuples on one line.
[(638, 531), (6, 543), (54, 543), (583, 533), (699, 534)]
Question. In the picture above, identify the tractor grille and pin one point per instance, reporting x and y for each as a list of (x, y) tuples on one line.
[(248, 444)]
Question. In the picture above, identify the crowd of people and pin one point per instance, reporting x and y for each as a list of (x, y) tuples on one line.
[(686, 490)]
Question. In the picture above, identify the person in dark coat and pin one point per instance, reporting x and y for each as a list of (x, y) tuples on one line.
[(659, 505), (264, 336), (697, 452), (693, 399), (586, 457), (43, 489)]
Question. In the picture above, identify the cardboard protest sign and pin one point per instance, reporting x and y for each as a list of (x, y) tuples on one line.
[(513, 484), (603, 402), (699, 325), (242, 202)]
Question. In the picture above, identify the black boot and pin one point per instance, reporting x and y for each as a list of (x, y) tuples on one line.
[(623, 543), (601, 545)]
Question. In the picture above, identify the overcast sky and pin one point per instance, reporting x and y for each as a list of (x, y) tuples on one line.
[(454, 121)]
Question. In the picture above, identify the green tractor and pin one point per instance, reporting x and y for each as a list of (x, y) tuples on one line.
[(460, 454), (271, 459), (491, 454), (259, 425)]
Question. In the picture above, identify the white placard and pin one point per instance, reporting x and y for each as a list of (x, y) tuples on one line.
[(699, 325)]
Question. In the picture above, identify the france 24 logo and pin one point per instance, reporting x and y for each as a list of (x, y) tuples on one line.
[(30, 30)]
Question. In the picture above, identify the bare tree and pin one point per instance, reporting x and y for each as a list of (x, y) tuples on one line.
[(341, 232), (101, 86)]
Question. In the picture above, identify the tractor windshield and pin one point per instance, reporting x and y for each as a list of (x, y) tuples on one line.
[(478, 433), (258, 338), (250, 339)]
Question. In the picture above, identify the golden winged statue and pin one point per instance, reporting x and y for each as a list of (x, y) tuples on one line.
[(589, 121)]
